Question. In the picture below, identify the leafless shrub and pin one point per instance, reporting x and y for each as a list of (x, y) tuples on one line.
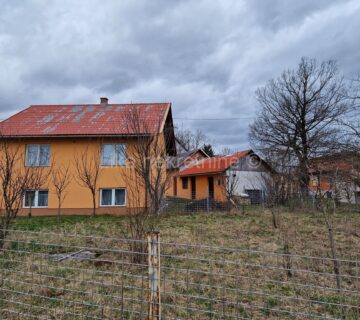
[(15, 179), (61, 179), (322, 206), (231, 185), (88, 169)]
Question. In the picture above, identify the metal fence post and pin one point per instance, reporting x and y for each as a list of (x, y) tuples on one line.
[(153, 290)]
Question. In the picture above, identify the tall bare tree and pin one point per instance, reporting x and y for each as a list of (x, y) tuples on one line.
[(145, 176), (298, 113), (15, 179), (148, 159), (61, 179), (88, 170), (351, 120)]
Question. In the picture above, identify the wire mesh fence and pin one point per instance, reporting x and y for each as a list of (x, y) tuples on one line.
[(48, 275), (258, 201)]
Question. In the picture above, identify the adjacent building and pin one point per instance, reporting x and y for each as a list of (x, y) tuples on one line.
[(242, 174), (336, 176)]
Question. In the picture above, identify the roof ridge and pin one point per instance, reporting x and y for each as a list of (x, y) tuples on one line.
[(49, 120), (95, 104)]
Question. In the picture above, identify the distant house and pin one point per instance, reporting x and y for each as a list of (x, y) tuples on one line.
[(48, 134), (210, 177), (336, 176), (175, 164)]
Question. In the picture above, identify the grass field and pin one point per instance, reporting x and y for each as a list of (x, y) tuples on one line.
[(208, 282), (306, 232)]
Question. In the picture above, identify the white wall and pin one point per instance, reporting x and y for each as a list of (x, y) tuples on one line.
[(254, 180)]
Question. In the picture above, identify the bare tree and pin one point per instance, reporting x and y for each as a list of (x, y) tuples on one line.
[(148, 155), (350, 122), (322, 206), (138, 219), (189, 140), (226, 151), (88, 169), (298, 113), (15, 179), (61, 179), (145, 175), (231, 185)]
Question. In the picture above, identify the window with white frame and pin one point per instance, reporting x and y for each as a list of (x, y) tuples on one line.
[(37, 155), (36, 198), (112, 197), (113, 154)]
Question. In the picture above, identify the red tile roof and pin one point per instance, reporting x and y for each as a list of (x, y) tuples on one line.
[(84, 119), (215, 164), (341, 161)]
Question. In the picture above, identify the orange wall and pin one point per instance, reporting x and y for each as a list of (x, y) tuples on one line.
[(202, 187), (181, 193), (62, 153), (324, 185)]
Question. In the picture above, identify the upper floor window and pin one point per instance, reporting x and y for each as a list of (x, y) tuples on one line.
[(35, 198), (113, 154), (37, 155)]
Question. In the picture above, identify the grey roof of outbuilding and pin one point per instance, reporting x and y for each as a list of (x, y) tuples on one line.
[(175, 162)]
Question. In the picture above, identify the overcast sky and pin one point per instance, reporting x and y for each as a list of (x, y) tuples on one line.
[(206, 57)]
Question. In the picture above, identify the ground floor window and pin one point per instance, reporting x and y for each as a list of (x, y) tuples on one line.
[(184, 182), (112, 197), (36, 198), (256, 196)]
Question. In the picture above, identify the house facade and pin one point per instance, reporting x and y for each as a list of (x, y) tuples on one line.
[(60, 136), (336, 176), (178, 163), (242, 174)]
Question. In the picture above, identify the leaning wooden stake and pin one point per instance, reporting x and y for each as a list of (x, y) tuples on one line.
[(153, 290)]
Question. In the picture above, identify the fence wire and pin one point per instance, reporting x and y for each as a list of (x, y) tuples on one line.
[(65, 276)]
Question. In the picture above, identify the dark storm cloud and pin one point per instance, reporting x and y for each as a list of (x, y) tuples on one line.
[(207, 57)]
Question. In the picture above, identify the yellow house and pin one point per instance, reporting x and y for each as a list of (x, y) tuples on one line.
[(60, 136)]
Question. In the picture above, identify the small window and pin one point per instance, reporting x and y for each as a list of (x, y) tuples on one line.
[(36, 198), (184, 182), (112, 197), (37, 155), (113, 154)]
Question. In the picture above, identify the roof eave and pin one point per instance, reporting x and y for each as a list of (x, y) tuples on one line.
[(76, 135)]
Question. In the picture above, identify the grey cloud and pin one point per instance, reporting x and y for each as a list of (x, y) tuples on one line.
[(207, 57)]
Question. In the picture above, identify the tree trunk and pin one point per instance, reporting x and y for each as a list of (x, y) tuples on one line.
[(336, 264), (58, 217), (275, 218), (94, 205), (2, 237), (30, 206)]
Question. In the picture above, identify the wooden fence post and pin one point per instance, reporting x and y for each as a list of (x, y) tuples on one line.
[(153, 289)]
